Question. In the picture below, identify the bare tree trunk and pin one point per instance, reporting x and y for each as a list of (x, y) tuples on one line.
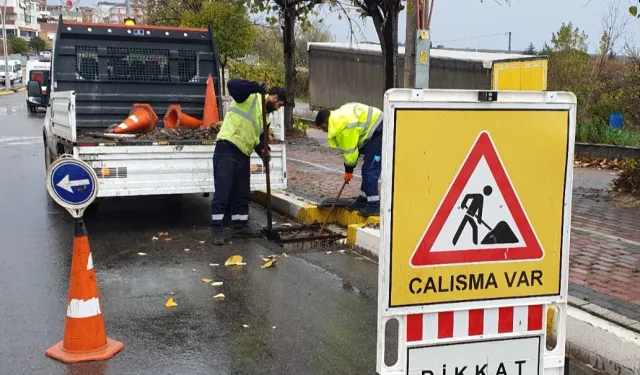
[(410, 45), (390, 50), (289, 42)]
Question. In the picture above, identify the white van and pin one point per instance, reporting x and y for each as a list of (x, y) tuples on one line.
[(38, 71), (15, 71)]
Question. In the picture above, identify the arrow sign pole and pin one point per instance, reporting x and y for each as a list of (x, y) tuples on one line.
[(67, 184)]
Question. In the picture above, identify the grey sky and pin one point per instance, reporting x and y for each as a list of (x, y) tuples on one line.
[(455, 21)]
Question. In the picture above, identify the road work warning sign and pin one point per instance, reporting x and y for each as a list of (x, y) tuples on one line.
[(478, 203)]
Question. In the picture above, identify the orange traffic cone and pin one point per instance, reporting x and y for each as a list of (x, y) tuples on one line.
[(142, 119), (211, 115), (85, 338), (174, 118)]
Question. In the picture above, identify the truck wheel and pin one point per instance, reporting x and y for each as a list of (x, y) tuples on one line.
[(92, 211), (48, 157)]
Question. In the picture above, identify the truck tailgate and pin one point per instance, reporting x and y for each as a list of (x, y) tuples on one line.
[(160, 170)]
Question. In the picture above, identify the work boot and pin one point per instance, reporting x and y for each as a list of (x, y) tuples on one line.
[(359, 203), (243, 232), (218, 238), (369, 211)]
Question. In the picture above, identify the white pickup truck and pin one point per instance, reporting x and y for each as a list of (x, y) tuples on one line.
[(100, 70)]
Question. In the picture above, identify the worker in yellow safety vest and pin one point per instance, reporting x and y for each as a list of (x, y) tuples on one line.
[(356, 129), (240, 135)]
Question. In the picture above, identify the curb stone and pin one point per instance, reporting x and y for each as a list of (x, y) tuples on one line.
[(9, 92), (603, 339)]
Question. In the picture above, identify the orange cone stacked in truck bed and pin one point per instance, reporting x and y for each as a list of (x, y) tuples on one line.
[(142, 119), (211, 115), (174, 118), (85, 338)]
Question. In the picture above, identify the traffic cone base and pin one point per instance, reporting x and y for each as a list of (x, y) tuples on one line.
[(175, 118), (58, 352)]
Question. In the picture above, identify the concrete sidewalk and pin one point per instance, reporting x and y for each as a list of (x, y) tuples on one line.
[(604, 258)]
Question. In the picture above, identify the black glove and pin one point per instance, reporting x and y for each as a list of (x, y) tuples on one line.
[(266, 156)]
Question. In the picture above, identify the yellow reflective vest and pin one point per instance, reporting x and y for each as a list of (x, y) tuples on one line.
[(242, 124), (350, 127)]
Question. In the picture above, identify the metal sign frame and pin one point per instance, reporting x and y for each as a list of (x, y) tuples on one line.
[(399, 99), (76, 210)]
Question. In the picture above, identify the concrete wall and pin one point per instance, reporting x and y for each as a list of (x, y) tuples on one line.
[(340, 76)]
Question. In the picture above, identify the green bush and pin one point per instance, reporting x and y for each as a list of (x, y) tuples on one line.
[(272, 75), (269, 74)]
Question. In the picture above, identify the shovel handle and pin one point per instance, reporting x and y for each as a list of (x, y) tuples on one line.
[(267, 169), (332, 207)]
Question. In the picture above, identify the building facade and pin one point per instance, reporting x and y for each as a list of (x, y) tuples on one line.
[(22, 18)]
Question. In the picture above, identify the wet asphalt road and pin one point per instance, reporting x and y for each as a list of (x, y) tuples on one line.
[(313, 314)]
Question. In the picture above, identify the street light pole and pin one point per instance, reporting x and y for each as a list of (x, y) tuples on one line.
[(5, 47)]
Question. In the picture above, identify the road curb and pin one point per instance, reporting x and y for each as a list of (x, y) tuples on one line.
[(596, 336), (10, 92), (307, 212)]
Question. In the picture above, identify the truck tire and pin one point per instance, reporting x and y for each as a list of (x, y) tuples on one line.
[(92, 211), (48, 158)]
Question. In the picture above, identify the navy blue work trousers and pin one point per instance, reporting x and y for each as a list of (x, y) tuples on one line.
[(231, 176), (371, 168)]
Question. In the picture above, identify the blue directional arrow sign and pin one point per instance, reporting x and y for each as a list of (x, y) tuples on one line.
[(72, 183)]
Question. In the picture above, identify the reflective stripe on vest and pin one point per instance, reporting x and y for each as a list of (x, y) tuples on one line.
[(362, 137), (247, 115)]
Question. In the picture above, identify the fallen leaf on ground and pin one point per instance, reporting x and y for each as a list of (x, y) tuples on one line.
[(274, 327), (268, 263), (245, 325), (142, 254), (216, 283), (285, 255), (187, 249), (287, 224), (328, 252), (154, 238), (341, 251), (207, 280), (201, 242), (214, 264), (219, 297), (170, 303), (234, 260), (160, 234), (193, 270)]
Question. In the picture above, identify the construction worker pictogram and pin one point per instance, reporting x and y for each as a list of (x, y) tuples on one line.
[(481, 218), (85, 338)]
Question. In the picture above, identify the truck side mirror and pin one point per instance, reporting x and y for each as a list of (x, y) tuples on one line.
[(34, 89)]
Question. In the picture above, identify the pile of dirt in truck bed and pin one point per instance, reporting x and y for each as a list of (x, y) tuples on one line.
[(182, 134)]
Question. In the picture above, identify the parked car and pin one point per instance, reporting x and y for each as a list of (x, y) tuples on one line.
[(15, 71)]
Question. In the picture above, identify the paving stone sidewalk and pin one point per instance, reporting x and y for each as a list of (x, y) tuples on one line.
[(605, 238)]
